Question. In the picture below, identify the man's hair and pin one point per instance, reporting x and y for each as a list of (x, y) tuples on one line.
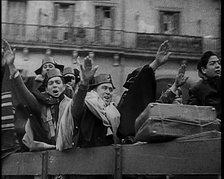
[(204, 60)]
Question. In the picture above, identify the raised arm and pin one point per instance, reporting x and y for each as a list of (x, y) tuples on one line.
[(87, 73), (180, 79), (170, 95), (162, 55), (26, 95)]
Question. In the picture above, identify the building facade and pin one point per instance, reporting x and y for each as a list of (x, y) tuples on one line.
[(120, 35)]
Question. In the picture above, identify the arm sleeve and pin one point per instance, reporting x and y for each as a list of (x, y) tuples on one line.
[(167, 97), (26, 95), (78, 101), (139, 95), (193, 97)]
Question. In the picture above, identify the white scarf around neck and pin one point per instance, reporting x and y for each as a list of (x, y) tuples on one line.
[(109, 115)]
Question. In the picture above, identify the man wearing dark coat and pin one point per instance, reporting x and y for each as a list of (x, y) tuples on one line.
[(141, 90), (96, 115), (34, 83), (207, 91)]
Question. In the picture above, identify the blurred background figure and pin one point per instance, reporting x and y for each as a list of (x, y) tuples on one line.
[(72, 79)]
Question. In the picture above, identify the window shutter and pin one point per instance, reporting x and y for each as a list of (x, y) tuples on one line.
[(54, 30), (161, 21), (113, 23), (72, 10), (56, 7), (176, 23)]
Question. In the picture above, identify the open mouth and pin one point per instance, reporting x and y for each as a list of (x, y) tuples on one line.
[(218, 71), (107, 98), (55, 92)]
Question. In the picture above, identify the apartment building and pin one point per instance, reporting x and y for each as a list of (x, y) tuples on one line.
[(120, 35)]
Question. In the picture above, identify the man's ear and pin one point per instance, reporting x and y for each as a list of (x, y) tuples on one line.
[(203, 70)]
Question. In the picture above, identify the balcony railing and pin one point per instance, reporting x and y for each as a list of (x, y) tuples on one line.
[(71, 36)]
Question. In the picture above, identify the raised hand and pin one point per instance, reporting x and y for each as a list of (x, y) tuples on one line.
[(9, 57), (163, 53), (87, 70), (180, 78)]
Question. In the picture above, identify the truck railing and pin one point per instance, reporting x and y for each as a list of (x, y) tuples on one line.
[(201, 157)]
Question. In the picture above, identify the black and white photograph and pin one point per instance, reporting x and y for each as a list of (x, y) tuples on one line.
[(111, 89)]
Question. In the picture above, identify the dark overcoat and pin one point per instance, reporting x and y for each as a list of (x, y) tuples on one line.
[(141, 92)]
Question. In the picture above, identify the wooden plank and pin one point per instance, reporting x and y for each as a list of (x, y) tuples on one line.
[(173, 158), (44, 165), (82, 161), (29, 163), (118, 162)]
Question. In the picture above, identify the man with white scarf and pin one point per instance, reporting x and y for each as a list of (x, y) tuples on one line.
[(98, 118), (94, 113)]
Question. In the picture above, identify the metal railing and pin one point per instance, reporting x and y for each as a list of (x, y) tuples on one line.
[(86, 36), (63, 35)]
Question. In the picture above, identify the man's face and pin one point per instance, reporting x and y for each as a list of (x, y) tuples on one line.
[(105, 91), (55, 86), (213, 67), (46, 67)]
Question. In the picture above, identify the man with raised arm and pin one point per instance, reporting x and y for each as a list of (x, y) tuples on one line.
[(173, 95), (95, 113), (50, 112), (141, 90)]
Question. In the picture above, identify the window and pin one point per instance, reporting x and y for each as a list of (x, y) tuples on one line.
[(16, 13), (64, 6), (106, 12), (64, 17), (169, 22), (104, 23), (103, 11)]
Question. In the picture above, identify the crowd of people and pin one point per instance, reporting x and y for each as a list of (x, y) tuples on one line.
[(68, 108)]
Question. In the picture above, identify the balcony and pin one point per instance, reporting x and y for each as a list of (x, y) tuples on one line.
[(79, 37)]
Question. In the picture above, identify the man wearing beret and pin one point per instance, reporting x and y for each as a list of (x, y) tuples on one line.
[(45, 133), (96, 115), (34, 84)]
